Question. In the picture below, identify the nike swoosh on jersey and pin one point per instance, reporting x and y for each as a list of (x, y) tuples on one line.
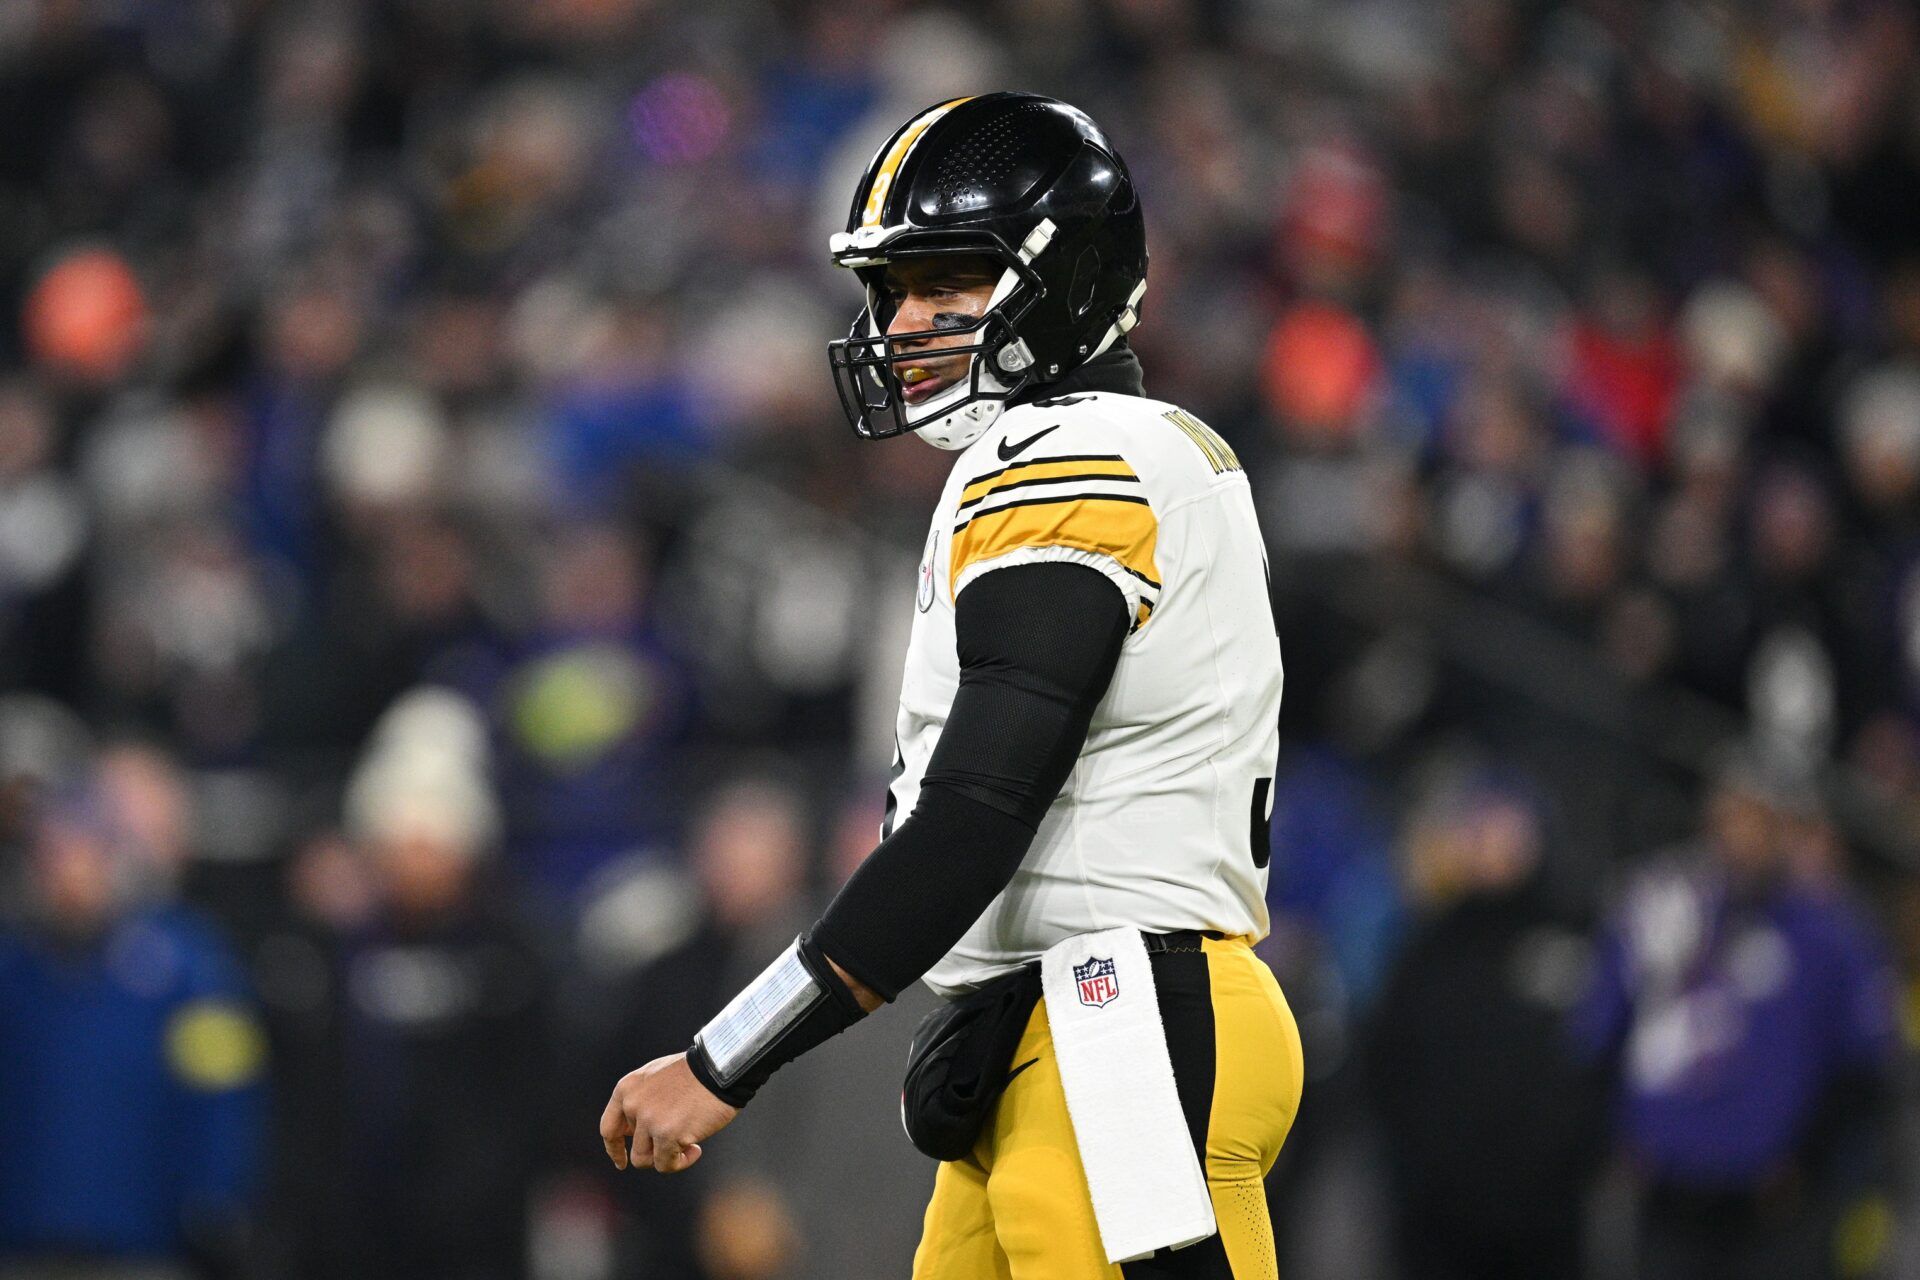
[(1007, 454)]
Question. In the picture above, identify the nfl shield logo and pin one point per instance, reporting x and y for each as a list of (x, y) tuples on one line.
[(1097, 982)]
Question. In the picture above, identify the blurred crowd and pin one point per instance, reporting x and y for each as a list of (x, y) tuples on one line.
[(449, 638)]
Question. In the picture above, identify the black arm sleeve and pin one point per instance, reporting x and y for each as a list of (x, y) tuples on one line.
[(1037, 646)]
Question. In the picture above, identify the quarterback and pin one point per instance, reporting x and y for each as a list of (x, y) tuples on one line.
[(1075, 850)]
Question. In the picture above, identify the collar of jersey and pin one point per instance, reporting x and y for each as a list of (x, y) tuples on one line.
[(1117, 371)]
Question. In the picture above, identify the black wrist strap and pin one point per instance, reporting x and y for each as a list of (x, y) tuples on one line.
[(796, 1003)]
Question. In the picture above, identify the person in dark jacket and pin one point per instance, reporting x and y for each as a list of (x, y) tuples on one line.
[(1491, 1122), (748, 852), (432, 1037)]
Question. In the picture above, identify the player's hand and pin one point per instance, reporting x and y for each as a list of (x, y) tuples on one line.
[(665, 1113)]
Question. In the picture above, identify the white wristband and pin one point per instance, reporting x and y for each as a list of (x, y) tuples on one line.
[(764, 1010)]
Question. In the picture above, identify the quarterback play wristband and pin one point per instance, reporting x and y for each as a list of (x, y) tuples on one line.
[(797, 1002)]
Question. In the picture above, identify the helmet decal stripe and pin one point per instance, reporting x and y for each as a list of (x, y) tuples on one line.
[(896, 156)]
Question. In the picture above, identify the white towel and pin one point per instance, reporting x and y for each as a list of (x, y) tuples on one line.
[(1149, 1191)]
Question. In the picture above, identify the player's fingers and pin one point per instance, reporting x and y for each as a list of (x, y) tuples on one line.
[(678, 1160), (666, 1156), (614, 1128), (642, 1149), (682, 1158)]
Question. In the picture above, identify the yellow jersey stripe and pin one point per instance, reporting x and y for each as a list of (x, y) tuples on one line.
[(896, 155), (1109, 524), (1049, 500), (985, 476), (1044, 470)]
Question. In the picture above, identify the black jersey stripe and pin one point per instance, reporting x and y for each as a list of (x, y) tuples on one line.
[(1041, 502), (1041, 462), (1021, 484)]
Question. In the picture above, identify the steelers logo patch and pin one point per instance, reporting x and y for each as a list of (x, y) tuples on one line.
[(214, 1045)]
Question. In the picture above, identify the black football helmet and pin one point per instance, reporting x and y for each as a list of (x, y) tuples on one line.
[(1031, 183)]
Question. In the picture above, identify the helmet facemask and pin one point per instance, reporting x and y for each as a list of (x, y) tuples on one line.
[(999, 364)]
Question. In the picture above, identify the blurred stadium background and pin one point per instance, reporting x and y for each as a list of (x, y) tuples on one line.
[(448, 635)]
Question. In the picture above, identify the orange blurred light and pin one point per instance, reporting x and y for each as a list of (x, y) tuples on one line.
[(1320, 367), (87, 316)]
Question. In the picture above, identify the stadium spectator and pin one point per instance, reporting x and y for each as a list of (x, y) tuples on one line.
[(298, 963), (589, 709), (1747, 1010), (43, 534), (1489, 1152), (132, 1080), (428, 1033), (749, 851)]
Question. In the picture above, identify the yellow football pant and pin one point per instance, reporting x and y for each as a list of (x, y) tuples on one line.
[(1019, 1208)]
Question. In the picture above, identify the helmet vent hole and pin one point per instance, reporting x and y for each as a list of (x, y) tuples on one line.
[(984, 158)]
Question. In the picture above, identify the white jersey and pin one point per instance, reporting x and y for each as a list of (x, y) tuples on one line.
[(1162, 823)]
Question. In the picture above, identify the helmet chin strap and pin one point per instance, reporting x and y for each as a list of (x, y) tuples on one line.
[(1129, 316)]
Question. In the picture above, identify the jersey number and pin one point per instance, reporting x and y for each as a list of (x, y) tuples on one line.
[(1260, 829), (893, 801)]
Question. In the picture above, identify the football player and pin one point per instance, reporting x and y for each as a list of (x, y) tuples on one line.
[(1089, 718)]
